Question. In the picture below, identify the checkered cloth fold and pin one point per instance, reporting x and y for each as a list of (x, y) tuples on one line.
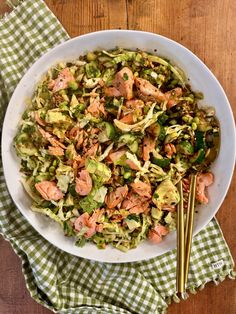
[(60, 281)]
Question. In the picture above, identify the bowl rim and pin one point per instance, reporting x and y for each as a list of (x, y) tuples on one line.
[(136, 32)]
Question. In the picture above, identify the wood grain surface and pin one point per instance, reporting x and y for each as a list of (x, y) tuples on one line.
[(208, 28)]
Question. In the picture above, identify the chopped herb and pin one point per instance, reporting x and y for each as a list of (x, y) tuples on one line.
[(125, 77)]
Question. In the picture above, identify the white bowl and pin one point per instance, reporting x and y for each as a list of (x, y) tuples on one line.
[(201, 79)]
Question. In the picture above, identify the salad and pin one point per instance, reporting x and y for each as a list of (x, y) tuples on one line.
[(104, 141)]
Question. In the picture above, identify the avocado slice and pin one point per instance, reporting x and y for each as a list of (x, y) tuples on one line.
[(166, 194)]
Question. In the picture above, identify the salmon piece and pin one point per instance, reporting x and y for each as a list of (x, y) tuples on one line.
[(99, 227), (91, 152), (74, 132), (97, 214), (95, 131), (80, 139), (75, 167), (147, 91), (38, 119), (142, 189), (112, 92), (96, 107), (132, 108), (154, 237), (81, 221), (149, 144), (203, 181), (45, 134), (78, 135), (61, 82), (81, 163), (161, 230), (134, 103), (83, 183), (93, 108), (51, 84), (56, 151), (172, 97), (116, 197), (130, 201), (54, 142), (115, 156), (155, 234), (84, 221), (91, 231), (169, 150), (102, 109), (135, 203), (49, 190), (131, 164), (123, 82), (138, 209), (128, 119), (117, 218), (90, 222), (101, 82)]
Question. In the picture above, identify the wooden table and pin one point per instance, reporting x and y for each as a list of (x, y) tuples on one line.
[(208, 28)]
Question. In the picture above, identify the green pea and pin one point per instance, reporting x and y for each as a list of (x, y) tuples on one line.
[(73, 85), (196, 120), (62, 92), (187, 119), (127, 175), (52, 169), (54, 162), (191, 96), (173, 122), (91, 56), (82, 107), (194, 126), (63, 105), (174, 82), (186, 136)]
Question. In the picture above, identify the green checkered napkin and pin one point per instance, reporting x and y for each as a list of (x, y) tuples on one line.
[(60, 281)]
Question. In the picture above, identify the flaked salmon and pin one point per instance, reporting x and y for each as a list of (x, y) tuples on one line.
[(49, 190)]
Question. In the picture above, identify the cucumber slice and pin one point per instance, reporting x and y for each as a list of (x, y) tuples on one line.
[(164, 162), (110, 130), (133, 147), (200, 140), (131, 141), (185, 148), (127, 138), (157, 130), (199, 157)]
